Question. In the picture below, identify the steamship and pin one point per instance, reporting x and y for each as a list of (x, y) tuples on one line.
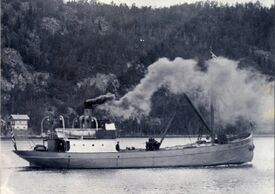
[(59, 151)]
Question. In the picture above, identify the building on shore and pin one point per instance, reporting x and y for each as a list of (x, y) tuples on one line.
[(19, 122)]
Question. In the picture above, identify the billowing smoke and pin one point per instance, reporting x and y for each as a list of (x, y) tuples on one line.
[(235, 93)]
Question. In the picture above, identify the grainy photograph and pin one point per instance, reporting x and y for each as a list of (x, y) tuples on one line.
[(138, 97)]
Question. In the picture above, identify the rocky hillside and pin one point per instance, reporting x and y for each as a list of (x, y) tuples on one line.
[(55, 54)]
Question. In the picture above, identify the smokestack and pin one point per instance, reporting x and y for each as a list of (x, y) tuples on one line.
[(91, 103)]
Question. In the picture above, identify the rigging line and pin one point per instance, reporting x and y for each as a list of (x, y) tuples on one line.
[(167, 103), (198, 113), (164, 123), (189, 136), (167, 127)]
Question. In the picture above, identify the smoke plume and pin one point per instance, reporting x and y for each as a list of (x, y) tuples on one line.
[(235, 93)]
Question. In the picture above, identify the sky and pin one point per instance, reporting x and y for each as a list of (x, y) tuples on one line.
[(168, 3)]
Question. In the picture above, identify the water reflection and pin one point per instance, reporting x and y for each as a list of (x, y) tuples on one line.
[(220, 167)]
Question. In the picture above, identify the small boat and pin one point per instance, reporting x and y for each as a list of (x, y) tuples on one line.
[(58, 151)]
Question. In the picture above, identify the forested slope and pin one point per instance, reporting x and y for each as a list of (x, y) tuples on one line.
[(55, 54)]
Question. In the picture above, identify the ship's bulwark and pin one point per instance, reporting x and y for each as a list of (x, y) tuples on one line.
[(237, 152)]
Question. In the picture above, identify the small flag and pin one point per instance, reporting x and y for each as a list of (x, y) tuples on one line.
[(13, 140)]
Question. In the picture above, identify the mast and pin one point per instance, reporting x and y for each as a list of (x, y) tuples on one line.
[(212, 120), (212, 114)]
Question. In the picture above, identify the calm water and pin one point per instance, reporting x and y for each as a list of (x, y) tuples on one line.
[(257, 177)]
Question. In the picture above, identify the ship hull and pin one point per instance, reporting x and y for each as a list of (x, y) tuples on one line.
[(236, 152)]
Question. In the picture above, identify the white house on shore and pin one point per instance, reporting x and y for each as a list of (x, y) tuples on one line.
[(19, 122)]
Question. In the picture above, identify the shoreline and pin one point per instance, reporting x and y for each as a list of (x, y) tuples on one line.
[(130, 136)]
